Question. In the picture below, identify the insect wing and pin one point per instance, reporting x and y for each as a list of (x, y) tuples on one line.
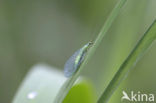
[(70, 67), (75, 60)]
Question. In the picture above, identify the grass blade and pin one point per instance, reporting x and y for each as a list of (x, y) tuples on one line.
[(69, 83), (143, 44)]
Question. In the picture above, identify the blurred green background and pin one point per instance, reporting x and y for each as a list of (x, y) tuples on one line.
[(49, 31)]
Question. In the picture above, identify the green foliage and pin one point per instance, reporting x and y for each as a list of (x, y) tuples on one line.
[(80, 93), (144, 43), (69, 83), (45, 89)]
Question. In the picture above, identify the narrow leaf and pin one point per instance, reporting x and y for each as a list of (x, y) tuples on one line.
[(69, 83), (142, 46)]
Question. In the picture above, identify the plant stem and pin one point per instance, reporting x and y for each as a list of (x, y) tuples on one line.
[(69, 83), (143, 44)]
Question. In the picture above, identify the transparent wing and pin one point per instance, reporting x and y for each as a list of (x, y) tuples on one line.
[(69, 67), (75, 60)]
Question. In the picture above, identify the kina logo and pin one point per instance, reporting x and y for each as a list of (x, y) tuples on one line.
[(137, 97)]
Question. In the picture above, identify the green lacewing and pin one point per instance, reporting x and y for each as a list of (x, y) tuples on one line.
[(74, 62)]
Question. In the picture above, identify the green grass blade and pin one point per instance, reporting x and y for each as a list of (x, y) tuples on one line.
[(143, 44), (69, 83)]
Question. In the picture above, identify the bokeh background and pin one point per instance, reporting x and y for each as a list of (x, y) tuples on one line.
[(49, 31)]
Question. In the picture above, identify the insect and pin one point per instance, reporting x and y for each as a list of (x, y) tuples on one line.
[(74, 62)]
